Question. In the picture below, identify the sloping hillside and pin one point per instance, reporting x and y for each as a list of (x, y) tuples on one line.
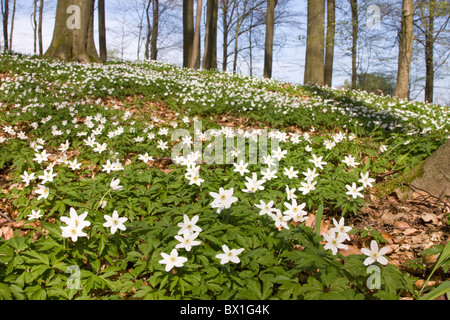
[(161, 182)]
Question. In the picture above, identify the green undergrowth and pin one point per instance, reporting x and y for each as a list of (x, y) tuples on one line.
[(97, 142)]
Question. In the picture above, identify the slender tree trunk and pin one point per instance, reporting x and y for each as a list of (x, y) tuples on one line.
[(314, 63), (210, 54), (329, 42), (73, 35), (195, 56), (250, 45), (429, 57), (236, 46), (35, 27), (154, 48), (268, 48), (149, 31), (405, 50), (5, 25), (102, 30), (13, 15), (188, 31), (355, 27), (41, 15), (225, 7)]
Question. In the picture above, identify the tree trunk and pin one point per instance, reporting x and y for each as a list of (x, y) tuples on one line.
[(188, 31), (433, 175), (12, 25), (329, 42), (41, 14), (268, 48), (355, 27), (73, 35), (149, 31), (429, 57), (236, 47), (225, 7), (102, 30), (405, 50), (314, 63), (35, 25), (250, 45), (5, 12), (210, 54), (154, 48), (195, 56)]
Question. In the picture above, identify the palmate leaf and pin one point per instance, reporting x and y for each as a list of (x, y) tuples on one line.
[(32, 257)]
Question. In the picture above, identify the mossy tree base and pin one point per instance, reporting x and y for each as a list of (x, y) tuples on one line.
[(431, 176), (436, 173)]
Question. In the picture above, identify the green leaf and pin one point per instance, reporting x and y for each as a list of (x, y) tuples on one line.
[(18, 243), (443, 257), (441, 289), (17, 292), (36, 258), (37, 271), (5, 292), (318, 219)]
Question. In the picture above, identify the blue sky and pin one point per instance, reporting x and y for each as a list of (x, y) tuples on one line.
[(288, 61)]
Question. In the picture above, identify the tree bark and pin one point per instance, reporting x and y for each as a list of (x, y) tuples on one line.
[(188, 31), (41, 14), (250, 46), (155, 27), (35, 25), (210, 54), (73, 35), (236, 46), (5, 12), (433, 174), (405, 50), (355, 27), (149, 31), (329, 42), (102, 30), (13, 15), (429, 57), (225, 7), (314, 63), (195, 56), (268, 48)]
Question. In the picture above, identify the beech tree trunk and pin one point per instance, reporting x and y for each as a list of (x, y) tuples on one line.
[(355, 27), (41, 13), (210, 54), (149, 31), (314, 63), (73, 35), (405, 50), (5, 13), (195, 56), (13, 15), (225, 7), (268, 48), (102, 30), (155, 26), (329, 42), (35, 25), (434, 174), (429, 58), (188, 31)]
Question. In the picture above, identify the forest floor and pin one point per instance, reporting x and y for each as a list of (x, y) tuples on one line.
[(410, 224)]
